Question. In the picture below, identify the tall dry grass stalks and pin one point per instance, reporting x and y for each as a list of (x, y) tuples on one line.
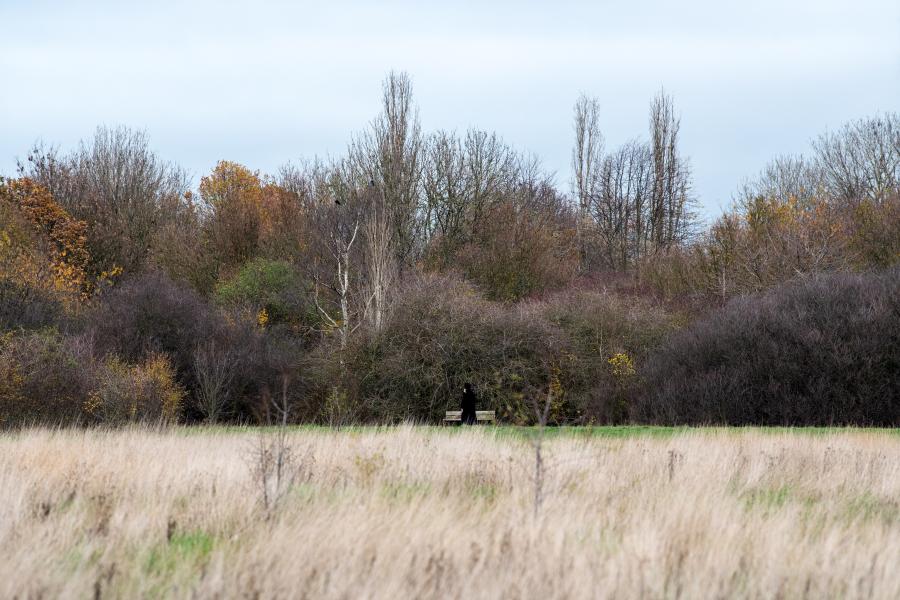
[(418, 513)]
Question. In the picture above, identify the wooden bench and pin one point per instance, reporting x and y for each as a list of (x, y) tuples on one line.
[(481, 416)]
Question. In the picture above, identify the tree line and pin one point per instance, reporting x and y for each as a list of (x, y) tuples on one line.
[(368, 287)]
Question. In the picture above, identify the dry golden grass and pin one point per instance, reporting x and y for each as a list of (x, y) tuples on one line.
[(418, 513)]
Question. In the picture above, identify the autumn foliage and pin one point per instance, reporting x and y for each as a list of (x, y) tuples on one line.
[(245, 215), (370, 287), (54, 255)]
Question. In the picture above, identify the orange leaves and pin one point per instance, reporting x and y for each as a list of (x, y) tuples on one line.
[(769, 239), (231, 182), (232, 194), (767, 215), (246, 210), (64, 238)]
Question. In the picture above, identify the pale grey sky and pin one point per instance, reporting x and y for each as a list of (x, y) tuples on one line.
[(268, 81)]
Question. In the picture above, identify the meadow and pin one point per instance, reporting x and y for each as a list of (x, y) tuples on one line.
[(425, 512)]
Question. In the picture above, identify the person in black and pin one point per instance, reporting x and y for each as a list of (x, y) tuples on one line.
[(468, 405)]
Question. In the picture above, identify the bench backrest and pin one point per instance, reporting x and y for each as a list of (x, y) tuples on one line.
[(480, 415)]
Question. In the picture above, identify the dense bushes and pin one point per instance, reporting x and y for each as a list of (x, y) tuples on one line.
[(819, 351), (46, 378), (151, 350), (822, 350), (442, 333), (519, 252), (125, 393), (151, 315), (609, 337), (26, 307)]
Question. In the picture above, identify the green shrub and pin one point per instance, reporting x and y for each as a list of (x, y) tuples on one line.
[(268, 285)]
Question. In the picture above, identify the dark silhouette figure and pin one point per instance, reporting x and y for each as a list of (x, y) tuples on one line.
[(468, 405)]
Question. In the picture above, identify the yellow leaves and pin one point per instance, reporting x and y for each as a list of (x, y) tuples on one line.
[(92, 403), (622, 365), (112, 273), (764, 214), (773, 217), (159, 370), (623, 372), (766, 240), (262, 318), (109, 277), (146, 390), (556, 388), (231, 181)]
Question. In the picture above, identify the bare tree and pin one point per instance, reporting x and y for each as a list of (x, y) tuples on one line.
[(389, 156), (861, 161), (298, 180), (619, 204), (338, 224), (445, 186), (353, 263), (542, 403), (786, 178), (542, 414), (380, 256), (492, 169), (668, 219), (636, 200), (586, 158), (463, 179), (118, 186)]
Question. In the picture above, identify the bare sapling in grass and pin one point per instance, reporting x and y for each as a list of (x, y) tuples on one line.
[(542, 404), (542, 414), (275, 466), (338, 409), (675, 458)]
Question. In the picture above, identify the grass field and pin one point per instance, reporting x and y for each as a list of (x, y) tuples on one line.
[(425, 512)]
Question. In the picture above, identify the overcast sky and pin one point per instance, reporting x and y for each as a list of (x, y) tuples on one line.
[(263, 82)]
